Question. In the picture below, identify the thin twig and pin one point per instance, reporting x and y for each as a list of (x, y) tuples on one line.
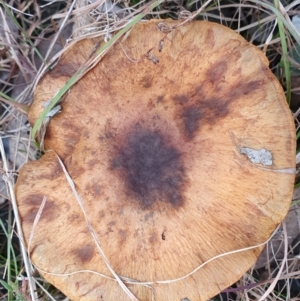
[(93, 233), (272, 286)]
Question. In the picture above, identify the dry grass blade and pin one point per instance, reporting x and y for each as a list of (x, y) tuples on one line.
[(23, 108), (272, 286), (95, 59), (35, 223), (56, 36), (92, 232), (8, 178)]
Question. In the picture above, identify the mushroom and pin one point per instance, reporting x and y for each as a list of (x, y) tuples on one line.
[(181, 148)]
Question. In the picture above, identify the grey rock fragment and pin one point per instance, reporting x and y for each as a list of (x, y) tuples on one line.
[(258, 156)]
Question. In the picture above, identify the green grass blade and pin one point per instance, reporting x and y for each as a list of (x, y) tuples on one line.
[(8, 260), (6, 286), (285, 58), (10, 101), (15, 266), (280, 17), (80, 72)]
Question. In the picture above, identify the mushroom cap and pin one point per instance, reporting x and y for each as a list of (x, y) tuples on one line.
[(167, 160)]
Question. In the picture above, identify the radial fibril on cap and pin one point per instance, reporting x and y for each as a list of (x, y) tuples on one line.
[(155, 153)]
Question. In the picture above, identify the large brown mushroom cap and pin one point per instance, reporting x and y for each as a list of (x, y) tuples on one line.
[(162, 158)]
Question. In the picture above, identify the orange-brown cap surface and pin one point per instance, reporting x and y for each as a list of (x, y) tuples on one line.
[(176, 162)]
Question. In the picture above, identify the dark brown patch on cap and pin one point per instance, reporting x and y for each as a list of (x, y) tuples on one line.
[(148, 216), (34, 200), (76, 171), (190, 118), (150, 167), (151, 104), (209, 38), (73, 217), (153, 238), (195, 109), (237, 72), (109, 130), (146, 81), (217, 71), (191, 121), (112, 223), (94, 189), (101, 214), (91, 163), (33, 203), (70, 140), (86, 134), (85, 254), (110, 226), (181, 99), (73, 168), (51, 171), (160, 99), (64, 68), (123, 235), (245, 88)]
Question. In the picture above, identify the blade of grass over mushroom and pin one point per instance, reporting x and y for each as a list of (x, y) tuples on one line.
[(92, 232), (285, 59), (81, 71), (210, 260), (36, 220), (147, 283)]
